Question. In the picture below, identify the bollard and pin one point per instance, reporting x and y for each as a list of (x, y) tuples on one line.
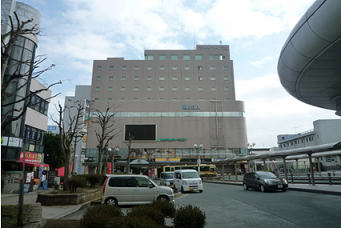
[(308, 174), (330, 179), (229, 177), (292, 178), (334, 173)]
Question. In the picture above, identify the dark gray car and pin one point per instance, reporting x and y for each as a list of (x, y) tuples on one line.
[(264, 181)]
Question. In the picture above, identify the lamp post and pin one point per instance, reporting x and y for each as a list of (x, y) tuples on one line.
[(113, 158), (198, 161), (81, 134), (250, 146)]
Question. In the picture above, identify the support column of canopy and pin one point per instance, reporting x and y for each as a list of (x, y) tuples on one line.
[(235, 171), (264, 164), (285, 167), (223, 174), (297, 170), (311, 169)]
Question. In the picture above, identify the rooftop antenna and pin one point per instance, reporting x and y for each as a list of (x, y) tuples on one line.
[(220, 42), (194, 40), (295, 128)]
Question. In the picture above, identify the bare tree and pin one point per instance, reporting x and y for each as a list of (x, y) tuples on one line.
[(69, 126), (128, 144), (16, 77), (108, 130)]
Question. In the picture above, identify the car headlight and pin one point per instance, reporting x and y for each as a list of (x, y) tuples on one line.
[(267, 181), (200, 182), (185, 182), (285, 181)]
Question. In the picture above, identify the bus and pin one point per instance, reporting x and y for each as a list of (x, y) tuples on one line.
[(204, 168)]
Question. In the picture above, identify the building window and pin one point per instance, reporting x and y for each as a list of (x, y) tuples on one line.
[(136, 99), (198, 57), (214, 99), (149, 78), (226, 78), (98, 89), (162, 67), (123, 89), (99, 67), (111, 67), (162, 57), (213, 88), (188, 99), (136, 78), (149, 99), (227, 89), (123, 67), (216, 57), (137, 67), (201, 99), (187, 78), (98, 78), (149, 88), (124, 78), (212, 67), (96, 99), (174, 68), (123, 99), (162, 78), (175, 99), (174, 57), (212, 78), (109, 89), (109, 99), (199, 67), (227, 99), (136, 89), (162, 89), (201, 89), (149, 68), (162, 99), (188, 89), (111, 78), (149, 57), (187, 68), (175, 78), (226, 67), (175, 89), (186, 57), (200, 78)]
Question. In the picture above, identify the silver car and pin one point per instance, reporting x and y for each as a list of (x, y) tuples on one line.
[(166, 179)]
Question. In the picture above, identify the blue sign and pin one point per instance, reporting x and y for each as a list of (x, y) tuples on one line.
[(51, 128), (191, 106)]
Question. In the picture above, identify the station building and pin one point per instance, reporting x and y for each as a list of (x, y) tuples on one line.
[(171, 101)]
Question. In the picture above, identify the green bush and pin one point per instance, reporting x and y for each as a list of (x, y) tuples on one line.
[(149, 212), (95, 179), (2, 184), (132, 222), (75, 182), (167, 208), (208, 175), (99, 216), (189, 217)]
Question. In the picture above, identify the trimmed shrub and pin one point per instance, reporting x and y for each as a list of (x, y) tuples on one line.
[(132, 222), (147, 211), (75, 182), (189, 217), (95, 179), (167, 208), (99, 216)]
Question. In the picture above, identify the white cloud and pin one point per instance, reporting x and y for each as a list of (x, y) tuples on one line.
[(258, 63)]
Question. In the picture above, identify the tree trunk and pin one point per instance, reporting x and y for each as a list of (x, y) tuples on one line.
[(100, 158), (67, 171), (113, 164)]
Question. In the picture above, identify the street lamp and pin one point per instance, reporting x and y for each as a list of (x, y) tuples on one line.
[(113, 159), (80, 134), (250, 146), (198, 161)]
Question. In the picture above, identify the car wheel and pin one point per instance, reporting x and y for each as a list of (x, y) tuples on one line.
[(201, 191), (163, 198), (284, 189), (245, 186), (262, 188), (111, 201), (182, 189)]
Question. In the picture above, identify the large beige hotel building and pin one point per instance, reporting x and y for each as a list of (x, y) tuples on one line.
[(170, 101)]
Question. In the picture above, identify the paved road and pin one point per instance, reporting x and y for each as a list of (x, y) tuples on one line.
[(232, 206)]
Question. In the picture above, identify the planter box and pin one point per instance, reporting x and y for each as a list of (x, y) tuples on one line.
[(69, 199)]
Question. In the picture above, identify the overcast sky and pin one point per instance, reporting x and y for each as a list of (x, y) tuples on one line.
[(76, 32)]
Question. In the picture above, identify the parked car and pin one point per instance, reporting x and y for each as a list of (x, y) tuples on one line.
[(187, 180), (265, 181), (166, 179), (133, 190)]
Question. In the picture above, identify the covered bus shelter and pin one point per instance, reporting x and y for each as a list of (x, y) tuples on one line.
[(299, 153)]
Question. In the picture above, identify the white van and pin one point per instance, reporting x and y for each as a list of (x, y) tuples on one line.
[(187, 180), (133, 190)]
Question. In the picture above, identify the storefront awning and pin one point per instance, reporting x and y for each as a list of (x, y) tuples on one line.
[(32, 164), (139, 162)]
